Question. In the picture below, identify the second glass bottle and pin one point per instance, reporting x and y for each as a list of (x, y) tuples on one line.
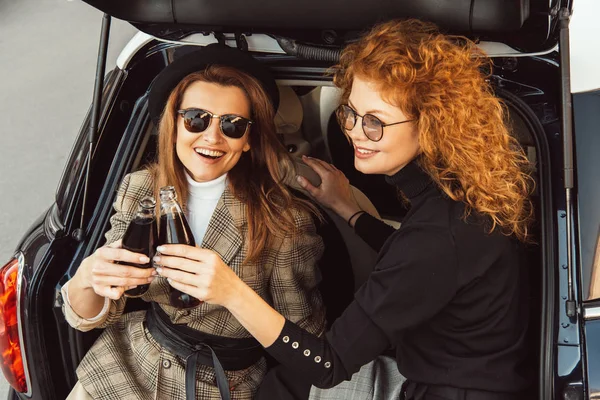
[(174, 229)]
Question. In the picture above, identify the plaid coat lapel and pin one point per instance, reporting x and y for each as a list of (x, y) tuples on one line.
[(227, 224)]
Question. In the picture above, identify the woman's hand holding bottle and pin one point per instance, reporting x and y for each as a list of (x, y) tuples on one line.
[(201, 273), (101, 272), (198, 272)]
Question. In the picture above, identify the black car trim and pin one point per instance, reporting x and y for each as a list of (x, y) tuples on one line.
[(79, 233), (547, 240), (71, 181), (34, 338), (53, 226), (568, 152)]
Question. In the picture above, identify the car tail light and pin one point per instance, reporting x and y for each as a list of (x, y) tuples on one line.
[(11, 343)]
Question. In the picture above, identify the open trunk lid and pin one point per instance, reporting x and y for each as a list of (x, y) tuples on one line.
[(525, 25)]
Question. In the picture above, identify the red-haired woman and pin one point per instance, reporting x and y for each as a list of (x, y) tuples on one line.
[(448, 293), (217, 145)]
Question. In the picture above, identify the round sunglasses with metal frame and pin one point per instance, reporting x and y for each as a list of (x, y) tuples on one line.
[(371, 125), (197, 120)]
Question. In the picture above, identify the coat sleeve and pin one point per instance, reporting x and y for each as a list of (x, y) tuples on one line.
[(413, 280), (294, 279), (373, 231), (125, 208)]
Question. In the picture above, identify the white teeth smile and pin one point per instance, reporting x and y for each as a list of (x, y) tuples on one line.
[(365, 151), (210, 153)]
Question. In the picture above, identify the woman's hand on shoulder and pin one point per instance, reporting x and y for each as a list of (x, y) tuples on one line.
[(102, 273), (198, 272), (334, 192)]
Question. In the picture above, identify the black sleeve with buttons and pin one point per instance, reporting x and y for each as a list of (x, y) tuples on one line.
[(327, 361), (401, 292), (448, 296), (314, 357)]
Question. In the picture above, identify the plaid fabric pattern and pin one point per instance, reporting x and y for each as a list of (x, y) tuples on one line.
[(377, 380), (127, 363)]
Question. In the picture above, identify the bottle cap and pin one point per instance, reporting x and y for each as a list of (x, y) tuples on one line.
[(167, 193)]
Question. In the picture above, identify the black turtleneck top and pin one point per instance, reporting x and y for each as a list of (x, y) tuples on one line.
[(448, 296)]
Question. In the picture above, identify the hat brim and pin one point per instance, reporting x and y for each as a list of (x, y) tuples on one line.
[(198, 60)]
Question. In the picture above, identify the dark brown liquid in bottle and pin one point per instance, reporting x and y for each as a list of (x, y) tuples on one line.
[(141, 237), (174, 229)]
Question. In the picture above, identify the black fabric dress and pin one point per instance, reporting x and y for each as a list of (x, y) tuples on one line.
[(450, 298)]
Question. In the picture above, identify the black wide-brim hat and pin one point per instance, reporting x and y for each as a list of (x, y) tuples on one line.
[(199, 60)]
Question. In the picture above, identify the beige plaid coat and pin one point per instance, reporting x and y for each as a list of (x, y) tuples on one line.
[(127, 363)]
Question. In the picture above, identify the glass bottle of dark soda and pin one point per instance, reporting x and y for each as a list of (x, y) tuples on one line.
[(141, 237), (174, 229)]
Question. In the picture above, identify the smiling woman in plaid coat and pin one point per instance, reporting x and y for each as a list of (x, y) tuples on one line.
[(258, 228)]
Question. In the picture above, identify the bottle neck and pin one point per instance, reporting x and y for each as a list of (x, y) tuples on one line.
[(170, 207)]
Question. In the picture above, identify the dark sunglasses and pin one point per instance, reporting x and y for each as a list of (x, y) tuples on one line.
[(371, 125), (197, 120)]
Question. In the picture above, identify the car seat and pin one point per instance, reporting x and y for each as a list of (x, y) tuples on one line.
[(348, 260)]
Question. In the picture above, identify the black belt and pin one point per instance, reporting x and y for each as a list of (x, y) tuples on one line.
[(195, 347), (419, 391)]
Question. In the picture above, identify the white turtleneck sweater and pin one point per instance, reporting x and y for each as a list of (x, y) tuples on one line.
[(202, 200)]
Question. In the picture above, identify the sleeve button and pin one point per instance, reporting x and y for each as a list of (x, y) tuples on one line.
[(307, 352), (327, 364), (318, 359), (295, 345), (286, 339)]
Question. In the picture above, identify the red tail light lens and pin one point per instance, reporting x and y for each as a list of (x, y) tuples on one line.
[(10, 343)]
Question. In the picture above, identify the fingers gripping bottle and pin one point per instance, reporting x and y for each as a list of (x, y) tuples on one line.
[(174, 229), (141, 237)]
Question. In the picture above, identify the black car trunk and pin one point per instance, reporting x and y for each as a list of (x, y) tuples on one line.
[(526, 25), (136, 140)]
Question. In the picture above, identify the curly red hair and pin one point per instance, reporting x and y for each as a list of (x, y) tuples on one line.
[(438, 81)]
